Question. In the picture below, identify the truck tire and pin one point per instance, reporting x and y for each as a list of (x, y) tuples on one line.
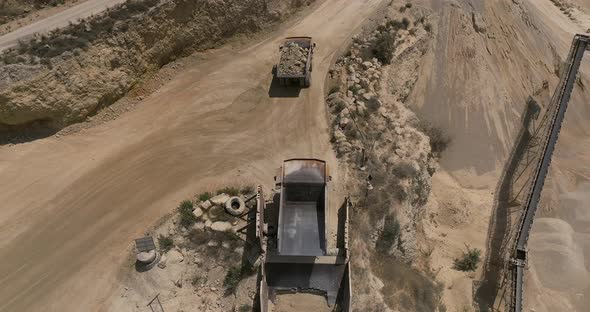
[(235, 206), (269, 229), (307, 82)]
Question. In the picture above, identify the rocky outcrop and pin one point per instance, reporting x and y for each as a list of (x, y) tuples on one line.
[(386, 150), (374, 129), (78, 83)]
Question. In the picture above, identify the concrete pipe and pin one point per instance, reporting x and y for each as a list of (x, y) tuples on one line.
[(146, 257)]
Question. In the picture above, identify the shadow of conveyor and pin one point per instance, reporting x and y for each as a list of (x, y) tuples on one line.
[(500, 225)]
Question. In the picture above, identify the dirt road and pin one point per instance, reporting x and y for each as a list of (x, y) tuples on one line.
[(72, 205), (58, 20)]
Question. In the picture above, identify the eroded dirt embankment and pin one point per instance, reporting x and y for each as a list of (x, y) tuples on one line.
[(390, 155), (63, 78)]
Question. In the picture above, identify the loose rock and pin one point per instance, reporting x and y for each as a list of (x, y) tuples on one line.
[(219, 199), (174, 256), (206, 205), (162, 263), (293, 59), (221, 226), (197, 212)]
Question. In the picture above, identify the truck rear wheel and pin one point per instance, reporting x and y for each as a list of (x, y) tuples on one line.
[(307, 83)]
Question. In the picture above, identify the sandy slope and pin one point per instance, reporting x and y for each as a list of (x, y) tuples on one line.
[(475, 84), (73, 204), (559, 254)]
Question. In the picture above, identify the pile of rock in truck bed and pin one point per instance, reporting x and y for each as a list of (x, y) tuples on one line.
[(293, 59)]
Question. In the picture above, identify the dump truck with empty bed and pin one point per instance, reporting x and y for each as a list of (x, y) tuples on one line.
[(295, 62), (304, 238)]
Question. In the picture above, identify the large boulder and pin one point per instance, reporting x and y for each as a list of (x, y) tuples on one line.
[(206, 205), (174, 257), (199, 226), (220, 199), (198, 212), (367, 65), (221, 226), (163, 261)]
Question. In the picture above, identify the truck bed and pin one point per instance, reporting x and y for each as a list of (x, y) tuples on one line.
[(302, 230), (294, 58)]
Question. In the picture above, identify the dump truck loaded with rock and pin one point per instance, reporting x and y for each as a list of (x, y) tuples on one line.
[(295, 62), (300, 254)]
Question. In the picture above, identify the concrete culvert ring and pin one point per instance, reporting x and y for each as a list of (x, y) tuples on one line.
[(235, 206), (146, 257)]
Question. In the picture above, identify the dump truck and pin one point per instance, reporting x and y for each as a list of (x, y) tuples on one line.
[(304, 238), (295, 62)]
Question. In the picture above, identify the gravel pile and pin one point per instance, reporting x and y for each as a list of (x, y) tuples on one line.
[(293, 59)]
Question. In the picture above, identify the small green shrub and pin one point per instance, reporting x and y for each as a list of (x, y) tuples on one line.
[(166, 243), (469, 261), (405, 23), (399, 192), (373, 104), (245, 308), (232, 279), (248, 189), (229, 190), (205, 196), (383, 47), (391, 229), (404, 170), (390, 234), (351, 132), (185, 209), (9, 59), (334, 89), (428, 27), (198, 280), (439, 140), (234, 276), (339, 105), (395, 24)]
